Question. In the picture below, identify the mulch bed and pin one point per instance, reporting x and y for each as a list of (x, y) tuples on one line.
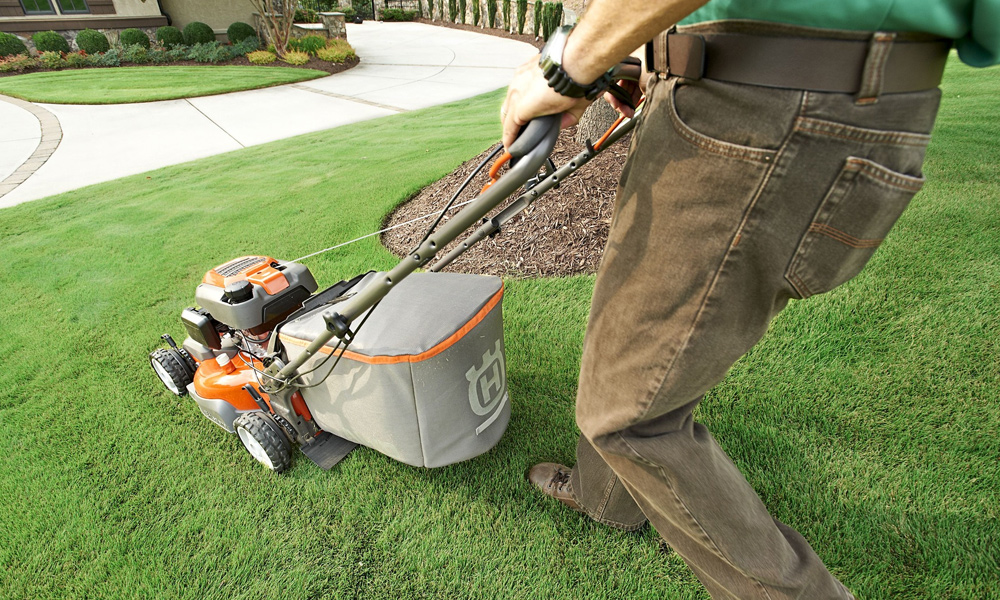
[(498, 32), (241, 61), (561, 233)]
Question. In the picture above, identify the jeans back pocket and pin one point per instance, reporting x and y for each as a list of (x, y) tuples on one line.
[(854, 217)]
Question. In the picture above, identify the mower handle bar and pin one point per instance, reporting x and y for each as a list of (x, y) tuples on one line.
[(532, 148)]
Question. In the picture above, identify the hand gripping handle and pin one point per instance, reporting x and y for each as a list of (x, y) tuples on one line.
[(533, 137)]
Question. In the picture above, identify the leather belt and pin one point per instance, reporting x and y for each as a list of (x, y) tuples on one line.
[(814, 63)]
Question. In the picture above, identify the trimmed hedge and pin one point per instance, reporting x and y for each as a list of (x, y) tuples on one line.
[(11, 45), (50, 41), (239, 31), (92, 42), (169, 36), (134, 37), (197, 32), (398, 14)]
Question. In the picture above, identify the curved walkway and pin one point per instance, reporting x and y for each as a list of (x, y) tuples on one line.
[(53, 148)]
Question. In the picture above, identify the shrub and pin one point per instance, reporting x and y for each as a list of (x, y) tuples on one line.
[(430, 9), (337, 52), (197, 32), (157, 56), (133, 37), (475, 12), (309, 44), (349, 13), (461, 11), (506, 14), (452, 10), (239, 31), (245, 45), (17, 63), (305, 15), (51, 60), (211, 52), (92, 42), (178, 52), (539, 6), (261, 57), (398, 14), (551, 18), (134, 53), (111, 58), (50, 41), (547, 20), (522, 13), (11, 45), (491, 11), (295, 57), (76, 60), (169, 36)]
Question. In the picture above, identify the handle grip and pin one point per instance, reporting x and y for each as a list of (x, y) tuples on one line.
[(533, 134)]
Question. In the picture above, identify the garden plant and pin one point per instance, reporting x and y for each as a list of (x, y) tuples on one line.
[(92, 42)]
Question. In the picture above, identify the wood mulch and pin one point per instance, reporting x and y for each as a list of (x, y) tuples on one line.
[(561, 233)]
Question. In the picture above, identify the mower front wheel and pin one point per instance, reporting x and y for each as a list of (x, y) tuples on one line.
[(174, 367), (264, 440)]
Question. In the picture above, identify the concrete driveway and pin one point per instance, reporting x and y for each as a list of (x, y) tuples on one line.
[(46, 149)]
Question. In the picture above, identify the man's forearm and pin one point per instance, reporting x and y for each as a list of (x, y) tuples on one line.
[(611, 29)]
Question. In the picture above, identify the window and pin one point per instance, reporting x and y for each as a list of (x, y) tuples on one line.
[(37, 7), (72, 6)]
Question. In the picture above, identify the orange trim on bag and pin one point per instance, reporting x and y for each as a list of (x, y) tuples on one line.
[(409, 358)]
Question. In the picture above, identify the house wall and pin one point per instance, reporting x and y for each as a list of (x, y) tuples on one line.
[(218, 14), (132, 8), (104, 14)]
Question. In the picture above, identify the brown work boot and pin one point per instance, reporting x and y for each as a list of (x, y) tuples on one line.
[(553, 480)]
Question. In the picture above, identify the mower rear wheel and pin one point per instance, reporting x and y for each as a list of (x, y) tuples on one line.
[(263, 439), (174, 368)]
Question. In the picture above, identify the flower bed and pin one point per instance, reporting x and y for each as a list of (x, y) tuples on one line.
[(172, 47)]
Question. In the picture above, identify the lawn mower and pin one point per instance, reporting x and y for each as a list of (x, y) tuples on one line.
[(408, 363)]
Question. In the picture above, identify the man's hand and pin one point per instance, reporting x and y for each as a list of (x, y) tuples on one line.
[(530, 96)]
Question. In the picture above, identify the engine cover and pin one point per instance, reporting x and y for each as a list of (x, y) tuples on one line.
[(276, 288)]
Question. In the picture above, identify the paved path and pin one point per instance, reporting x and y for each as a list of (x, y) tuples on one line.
[(46, 149)]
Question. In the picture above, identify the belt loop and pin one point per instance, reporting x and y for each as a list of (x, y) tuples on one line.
[(656, 52), (873, 75)]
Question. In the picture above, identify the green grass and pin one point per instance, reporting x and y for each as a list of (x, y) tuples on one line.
[(867, 418), (145, 84)]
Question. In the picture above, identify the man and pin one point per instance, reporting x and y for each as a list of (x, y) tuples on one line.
[(770, 169)]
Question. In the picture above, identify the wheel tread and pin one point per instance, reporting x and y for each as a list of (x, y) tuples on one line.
[(274, 443)]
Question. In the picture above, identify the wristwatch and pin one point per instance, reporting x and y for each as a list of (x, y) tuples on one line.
[(551, 64)]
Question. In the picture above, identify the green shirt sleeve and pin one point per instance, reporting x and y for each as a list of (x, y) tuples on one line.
[(973, 24)]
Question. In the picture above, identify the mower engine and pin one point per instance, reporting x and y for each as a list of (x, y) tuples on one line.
[(242, 301)]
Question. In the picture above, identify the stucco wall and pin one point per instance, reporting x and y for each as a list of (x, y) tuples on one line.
[(136, 8), (218, 14)]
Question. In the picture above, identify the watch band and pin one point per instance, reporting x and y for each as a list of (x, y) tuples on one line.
[(550, 63)]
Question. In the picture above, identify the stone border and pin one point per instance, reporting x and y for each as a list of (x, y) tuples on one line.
[(51, 136)]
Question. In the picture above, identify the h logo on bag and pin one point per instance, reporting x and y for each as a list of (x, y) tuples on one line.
[(488, 386)]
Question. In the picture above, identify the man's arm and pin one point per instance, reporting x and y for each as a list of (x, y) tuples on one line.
[(608, 32)]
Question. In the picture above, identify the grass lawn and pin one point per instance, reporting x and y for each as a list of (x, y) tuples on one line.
[(145, 84), (867, 418)]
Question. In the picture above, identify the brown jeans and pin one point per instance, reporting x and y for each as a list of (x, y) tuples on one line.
[(734, 200)]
